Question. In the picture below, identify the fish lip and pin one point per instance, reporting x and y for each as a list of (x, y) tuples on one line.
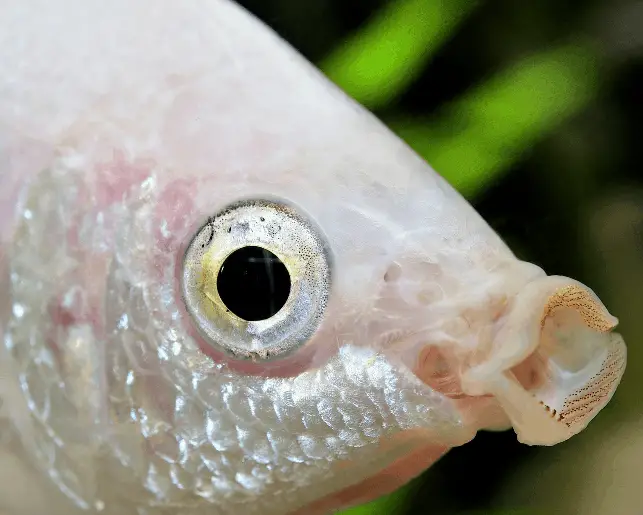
[(573, 364), (519, 329)]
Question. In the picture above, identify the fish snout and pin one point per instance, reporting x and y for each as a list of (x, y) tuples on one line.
[(554, 362)]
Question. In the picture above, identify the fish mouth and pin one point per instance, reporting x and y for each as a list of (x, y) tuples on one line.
[(553, 368)]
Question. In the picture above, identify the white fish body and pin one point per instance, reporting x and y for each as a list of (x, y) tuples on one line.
[(125, 126)]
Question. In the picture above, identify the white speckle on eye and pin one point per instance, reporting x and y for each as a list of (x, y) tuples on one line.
[(28, 214), (99, 505), (176, 348), (123, 322), (129, 381), (18, 310)]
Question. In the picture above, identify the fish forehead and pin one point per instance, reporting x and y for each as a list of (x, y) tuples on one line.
[(206, 90), (179, 74)]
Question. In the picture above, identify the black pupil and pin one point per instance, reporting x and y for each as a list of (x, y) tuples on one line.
[(253, 283)]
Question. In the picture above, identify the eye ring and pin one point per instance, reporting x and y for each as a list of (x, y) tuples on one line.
[(280, 229)]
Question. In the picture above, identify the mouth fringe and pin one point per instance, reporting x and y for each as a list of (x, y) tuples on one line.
[(570, 375), (570, 397)]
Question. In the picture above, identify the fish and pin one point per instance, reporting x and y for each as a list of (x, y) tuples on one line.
[(226, 287)]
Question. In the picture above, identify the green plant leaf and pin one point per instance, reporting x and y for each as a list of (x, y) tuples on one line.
[(380, 60), (391, 504), (481, 134)]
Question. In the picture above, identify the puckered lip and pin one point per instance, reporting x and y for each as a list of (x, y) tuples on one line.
[(552, 368)]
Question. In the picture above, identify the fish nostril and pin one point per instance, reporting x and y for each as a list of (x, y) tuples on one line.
[(253, 283), (393, 273)]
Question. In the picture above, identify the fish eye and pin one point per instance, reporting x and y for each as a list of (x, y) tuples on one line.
[(256, 279)]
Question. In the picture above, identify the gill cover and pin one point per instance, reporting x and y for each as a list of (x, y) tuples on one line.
[(554, 362)]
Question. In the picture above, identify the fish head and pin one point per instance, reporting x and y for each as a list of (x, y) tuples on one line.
[(141, 371)]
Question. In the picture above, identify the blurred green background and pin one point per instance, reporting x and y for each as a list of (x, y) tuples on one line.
[(534, 111)]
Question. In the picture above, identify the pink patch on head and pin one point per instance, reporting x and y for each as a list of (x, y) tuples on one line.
[(72, 235), (174, 217), (76, 305), (78, 302), (68, 309), (174, 213), (116, 178), (65, 310)]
